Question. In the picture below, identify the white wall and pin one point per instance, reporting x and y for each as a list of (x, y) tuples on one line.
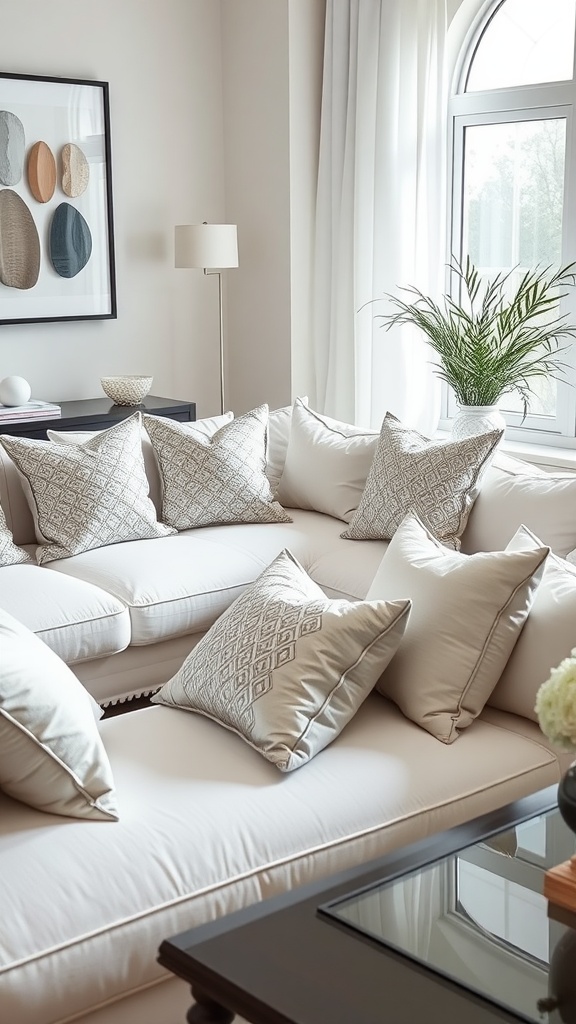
[(214, 116), (162, 59), (272, 66)]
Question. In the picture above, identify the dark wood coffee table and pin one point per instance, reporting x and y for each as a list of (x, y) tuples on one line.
[(293, 959)]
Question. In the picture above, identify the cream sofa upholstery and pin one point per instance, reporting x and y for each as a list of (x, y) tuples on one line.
[(206, 825)]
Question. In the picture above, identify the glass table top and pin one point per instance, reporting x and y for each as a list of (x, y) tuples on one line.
[(479, 918)]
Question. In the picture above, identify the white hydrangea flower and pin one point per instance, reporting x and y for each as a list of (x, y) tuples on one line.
[(556, 704)]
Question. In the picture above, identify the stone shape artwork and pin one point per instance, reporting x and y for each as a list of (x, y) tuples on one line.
[(41, 170), (19, 242), (12, 145), (70, 241), (75, 171)]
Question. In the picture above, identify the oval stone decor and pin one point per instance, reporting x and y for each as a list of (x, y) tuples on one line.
[(19, 242), (11, 148), (41, 172), (75, 171), (70, 241)]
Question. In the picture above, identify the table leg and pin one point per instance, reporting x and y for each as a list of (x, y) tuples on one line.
[(206, 1011)]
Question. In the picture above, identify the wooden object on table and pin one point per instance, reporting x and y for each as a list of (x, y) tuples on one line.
[(560, 884)]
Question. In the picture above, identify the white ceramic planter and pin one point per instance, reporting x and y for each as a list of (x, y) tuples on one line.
[(476, 419)]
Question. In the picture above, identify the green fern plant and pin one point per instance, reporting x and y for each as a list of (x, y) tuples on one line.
[(489, 344)]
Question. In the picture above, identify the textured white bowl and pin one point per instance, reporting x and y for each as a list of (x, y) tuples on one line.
[(127, 390)]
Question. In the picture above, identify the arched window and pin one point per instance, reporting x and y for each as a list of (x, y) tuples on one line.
[(514, 170)]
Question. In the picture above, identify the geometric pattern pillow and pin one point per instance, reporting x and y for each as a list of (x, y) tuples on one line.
[(208, 426), (86, 496), (10, 554), (285, 667), (436, 480), (51, 753), (467, 614), (208, 481)]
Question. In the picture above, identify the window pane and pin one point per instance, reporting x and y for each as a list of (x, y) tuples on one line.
[(527, 41), (512, 209)]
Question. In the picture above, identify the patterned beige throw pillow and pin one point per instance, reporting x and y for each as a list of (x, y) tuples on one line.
[(10, 553), (467, 614), (285, 667), (86, 496), (209, 481), (435, 480)]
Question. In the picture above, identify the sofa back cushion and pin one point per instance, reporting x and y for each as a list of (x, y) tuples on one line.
[(514, 493), (14, 504)]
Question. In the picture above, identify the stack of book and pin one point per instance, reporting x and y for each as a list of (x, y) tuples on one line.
[(32, 410)]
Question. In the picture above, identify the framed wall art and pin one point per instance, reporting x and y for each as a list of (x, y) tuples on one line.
[(56, 223)]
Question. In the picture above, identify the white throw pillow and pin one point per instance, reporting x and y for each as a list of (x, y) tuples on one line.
[(327, 464), (285, 667), (10, 553), (86, 496), (467, 614), (206, 426), (544, 502), (279, 423), (208, 481), (548, 635), (435, 480), (51, 753)]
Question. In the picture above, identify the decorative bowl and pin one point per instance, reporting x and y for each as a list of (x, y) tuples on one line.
[(126, 390)]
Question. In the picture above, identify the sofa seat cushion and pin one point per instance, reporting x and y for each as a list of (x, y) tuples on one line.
[(207, 826), (167, 599), (76, 619)]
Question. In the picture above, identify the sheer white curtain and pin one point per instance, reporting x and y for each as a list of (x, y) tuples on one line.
[(380, 220)]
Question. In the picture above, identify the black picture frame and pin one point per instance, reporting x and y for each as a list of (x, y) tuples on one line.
[(76, 274)]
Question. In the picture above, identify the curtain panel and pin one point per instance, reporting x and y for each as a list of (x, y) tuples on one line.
[(381, 202)]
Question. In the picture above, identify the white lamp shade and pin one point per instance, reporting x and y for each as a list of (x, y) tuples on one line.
[(206, 245)]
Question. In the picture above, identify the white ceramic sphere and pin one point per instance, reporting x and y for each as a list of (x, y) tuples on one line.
[(14, 391)]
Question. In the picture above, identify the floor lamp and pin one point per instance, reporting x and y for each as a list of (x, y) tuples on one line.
[(211, 248)]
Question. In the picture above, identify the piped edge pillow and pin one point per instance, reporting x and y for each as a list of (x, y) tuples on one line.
[(51, 753), (285, 667), (548, 636), (467, 614), (327, 464)]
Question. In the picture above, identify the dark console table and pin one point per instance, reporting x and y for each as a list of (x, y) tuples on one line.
[(97, 413)]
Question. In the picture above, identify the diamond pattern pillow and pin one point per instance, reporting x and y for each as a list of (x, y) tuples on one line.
[(436, 480), (285, 667), (209, 481), (10, 553), (467, 614), (51, 754), (86, 496)]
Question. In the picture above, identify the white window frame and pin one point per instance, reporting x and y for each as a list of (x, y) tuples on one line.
[(534, 102)]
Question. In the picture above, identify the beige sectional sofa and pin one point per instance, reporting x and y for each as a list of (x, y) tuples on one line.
[(206, 824)]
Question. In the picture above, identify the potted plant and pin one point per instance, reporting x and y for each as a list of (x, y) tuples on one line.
[(488, 343)]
